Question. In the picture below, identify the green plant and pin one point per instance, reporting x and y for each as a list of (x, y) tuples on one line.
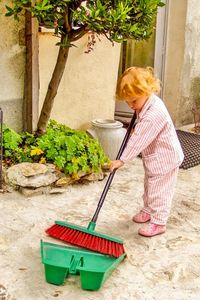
[(17, 147), (11, 142), (71, 150)]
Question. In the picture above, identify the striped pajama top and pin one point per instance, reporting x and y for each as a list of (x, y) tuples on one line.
[(155, 138)]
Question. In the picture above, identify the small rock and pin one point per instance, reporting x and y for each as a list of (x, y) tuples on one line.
[(51, 167), (63, 181), (94, 176), (81, 174), (31, 169), (28, 192), (32, 175)]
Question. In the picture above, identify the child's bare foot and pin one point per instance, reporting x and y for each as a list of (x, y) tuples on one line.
[(152, 229), (141, 217)]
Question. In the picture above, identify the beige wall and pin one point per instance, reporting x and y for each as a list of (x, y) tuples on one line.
[(175, 45), (190, 86), (88, 85), (12, 60), (182, 61)]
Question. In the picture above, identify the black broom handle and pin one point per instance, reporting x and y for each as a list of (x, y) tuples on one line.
[(110, 177), (1, 148)]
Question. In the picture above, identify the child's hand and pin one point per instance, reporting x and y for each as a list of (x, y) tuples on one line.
[(116, 164)]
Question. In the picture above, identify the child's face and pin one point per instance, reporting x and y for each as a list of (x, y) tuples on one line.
[(137, 102)]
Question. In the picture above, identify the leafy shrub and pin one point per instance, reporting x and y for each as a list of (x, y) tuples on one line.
[(17, 147), (70, 150)]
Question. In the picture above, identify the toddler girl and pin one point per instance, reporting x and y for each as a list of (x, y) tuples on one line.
[(155, 138)]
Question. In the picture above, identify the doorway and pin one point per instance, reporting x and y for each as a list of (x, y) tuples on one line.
[(142, 54)]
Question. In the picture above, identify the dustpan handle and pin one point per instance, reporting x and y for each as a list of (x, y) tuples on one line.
[(1, 148), (110, 177)]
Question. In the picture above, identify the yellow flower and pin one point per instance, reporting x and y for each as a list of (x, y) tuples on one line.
[(42, 160), (36, 151)]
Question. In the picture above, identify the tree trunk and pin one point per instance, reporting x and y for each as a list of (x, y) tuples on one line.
[(52, 89), (31, 80)]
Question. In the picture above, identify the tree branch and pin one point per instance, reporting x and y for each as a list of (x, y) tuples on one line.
[(106, 35), (67, 26), (78, 33)]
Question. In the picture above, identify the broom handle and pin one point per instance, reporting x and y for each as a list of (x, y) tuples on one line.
[(1, 148), (110, 178)]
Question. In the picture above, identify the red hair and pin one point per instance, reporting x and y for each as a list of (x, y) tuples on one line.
[(137, 81)]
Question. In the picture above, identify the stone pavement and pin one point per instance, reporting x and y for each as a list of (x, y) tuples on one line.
[(163, 267)]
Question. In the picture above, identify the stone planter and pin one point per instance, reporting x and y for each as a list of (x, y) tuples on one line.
[(110, 134)]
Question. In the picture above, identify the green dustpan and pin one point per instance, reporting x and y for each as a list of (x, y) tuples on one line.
[(61, 261)]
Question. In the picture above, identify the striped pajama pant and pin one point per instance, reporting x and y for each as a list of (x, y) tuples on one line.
[(158, 194)]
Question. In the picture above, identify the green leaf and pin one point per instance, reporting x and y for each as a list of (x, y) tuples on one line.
[(115, 19)]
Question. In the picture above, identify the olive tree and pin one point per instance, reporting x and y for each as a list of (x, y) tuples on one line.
[(117, 20)]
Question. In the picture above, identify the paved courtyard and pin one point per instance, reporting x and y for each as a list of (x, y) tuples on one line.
[(164, 267)]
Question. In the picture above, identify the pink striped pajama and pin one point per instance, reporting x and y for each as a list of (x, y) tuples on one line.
[(155, 137)]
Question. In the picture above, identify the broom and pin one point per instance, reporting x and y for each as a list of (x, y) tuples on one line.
[(87, 237)]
